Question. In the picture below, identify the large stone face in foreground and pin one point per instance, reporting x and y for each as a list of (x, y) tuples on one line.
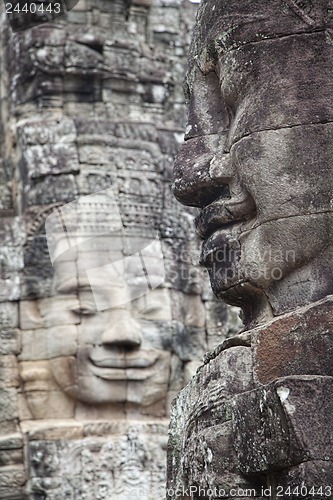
[(257, 161)]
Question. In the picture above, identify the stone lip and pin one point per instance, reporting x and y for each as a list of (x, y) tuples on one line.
[(241, 339), (142, 359)]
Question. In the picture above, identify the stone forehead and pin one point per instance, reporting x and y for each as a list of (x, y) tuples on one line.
[(224, 25)]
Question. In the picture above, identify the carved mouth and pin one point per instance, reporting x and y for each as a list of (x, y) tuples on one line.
[(221, 247), (222, 214), (129, 366), (109, 373), (145, 360), (211, 218)]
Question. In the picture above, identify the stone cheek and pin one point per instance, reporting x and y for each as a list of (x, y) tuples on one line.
[(248, 420)]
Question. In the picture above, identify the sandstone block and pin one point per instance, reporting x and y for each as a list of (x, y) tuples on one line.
[(49, 404), (12, 231), (29, 315), (309, 480), (50, 159), (12, 441), (51, 189), (12, 481), (9, 341), (211, 461), (8, 407), (287, 345), (52, 429), (8, 371), (283, 424), (11, 457), (202, 405)]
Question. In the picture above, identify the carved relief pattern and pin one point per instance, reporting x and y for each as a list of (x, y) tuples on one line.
[(121, 467), (93, 102)]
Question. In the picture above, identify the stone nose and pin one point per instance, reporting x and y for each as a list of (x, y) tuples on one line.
[(122, 330), (201, 173)]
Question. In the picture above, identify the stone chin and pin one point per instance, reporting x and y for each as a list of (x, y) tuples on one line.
[(242, 293), (272, 267)]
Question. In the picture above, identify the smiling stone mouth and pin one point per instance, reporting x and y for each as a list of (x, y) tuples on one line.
[(127, 361)]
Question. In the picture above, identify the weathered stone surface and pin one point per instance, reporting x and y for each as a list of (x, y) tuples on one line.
[(202, 409), (10, 457), (37, 274), (44, 398), (210, 469), (257, 164), (264, 259), (89, 103), (8, 411), (10, 442), (48, 147), (48, 343), (287, 346), (52, 189), (309, 480), (10, 341), (12, 481), (258, 429), (122, 465), (263, 439), (11, 263), (9, 338), (11, 454), (8, 371), (52, 429)]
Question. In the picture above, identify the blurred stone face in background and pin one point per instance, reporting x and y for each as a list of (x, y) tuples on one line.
[(110, 313)]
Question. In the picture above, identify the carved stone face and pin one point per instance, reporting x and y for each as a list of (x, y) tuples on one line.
[(123, 331), (107, 340), (258, 154)]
